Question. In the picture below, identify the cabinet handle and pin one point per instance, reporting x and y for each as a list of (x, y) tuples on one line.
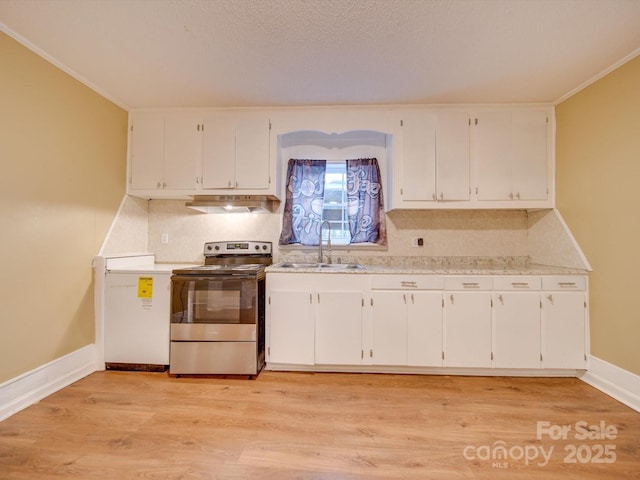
[(434, 196), (567, 284), (520, 284), (550, 298), (310, 298), (470, 284), (412, 301), (518, 195), (229, 184), (318, 298), (236, 184), (511, 196), (409, 284), (404, 298), (158, 185), (501, 299), (371, 353), (441, 196), (451, 298)]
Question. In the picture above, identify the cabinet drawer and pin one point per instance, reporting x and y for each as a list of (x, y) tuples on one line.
[(468, 283), (407, 282), (517, 283), (564, 283)]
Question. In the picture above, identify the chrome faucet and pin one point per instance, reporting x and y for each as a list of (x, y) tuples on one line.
[(328, 241)]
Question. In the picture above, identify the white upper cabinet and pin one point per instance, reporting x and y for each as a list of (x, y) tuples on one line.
[(529, 161), (452, 155), (178, 154), (182, 150), (511, 155), (457, 157), (236, 153), (164, 154), (435, 158), (418, 169)]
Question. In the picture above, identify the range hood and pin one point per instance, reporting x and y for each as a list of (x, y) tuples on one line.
[(234, 203)]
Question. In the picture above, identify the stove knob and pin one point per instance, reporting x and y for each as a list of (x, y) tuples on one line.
[(264, 247), (217, 247), (208, 247), (257, 247)]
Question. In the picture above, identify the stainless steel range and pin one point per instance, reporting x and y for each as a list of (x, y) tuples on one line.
[(218, 311)]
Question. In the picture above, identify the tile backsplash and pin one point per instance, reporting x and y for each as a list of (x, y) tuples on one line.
[(468, 234), (445, 233)]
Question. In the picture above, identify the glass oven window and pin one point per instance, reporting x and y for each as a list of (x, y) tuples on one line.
[(230, 300)]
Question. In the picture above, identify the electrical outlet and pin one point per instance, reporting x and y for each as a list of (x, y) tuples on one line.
[(417, 242), (164, 238)]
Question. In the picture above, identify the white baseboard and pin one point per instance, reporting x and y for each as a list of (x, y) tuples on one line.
[(31, 387), (616, 382)]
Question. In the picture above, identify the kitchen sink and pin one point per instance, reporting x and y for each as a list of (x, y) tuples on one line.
[(297, 265), (341, 266), (324, 266)]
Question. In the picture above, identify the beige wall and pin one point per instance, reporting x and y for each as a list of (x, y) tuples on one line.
[(598, 194), (63, 159)]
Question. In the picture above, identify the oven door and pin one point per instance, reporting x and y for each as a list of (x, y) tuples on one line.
[(214, 308)]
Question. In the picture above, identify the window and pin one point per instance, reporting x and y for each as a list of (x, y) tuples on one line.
[(334, 208), (347, 194)]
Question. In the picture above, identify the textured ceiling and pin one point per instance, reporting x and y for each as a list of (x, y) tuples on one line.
[(161, 53)]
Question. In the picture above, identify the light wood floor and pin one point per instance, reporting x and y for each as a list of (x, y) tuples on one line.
[(132, 425)]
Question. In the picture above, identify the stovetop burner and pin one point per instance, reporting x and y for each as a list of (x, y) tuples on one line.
[(232, 258)]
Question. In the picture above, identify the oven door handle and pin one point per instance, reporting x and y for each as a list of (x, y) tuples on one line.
[(225, 276)]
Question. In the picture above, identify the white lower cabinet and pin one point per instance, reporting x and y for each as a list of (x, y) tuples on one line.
[(516, 330), (406, 320), (467, 329), (338, 325), (502, 322), (467, 322), (389, 341), (424, 329), (290, 321), (314, 318), (516, 322), (564, 315)]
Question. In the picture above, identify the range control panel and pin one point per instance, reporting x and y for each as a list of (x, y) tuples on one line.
[(237, 248)]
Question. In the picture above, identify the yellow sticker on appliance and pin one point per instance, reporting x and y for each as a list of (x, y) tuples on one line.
[(145, 287)]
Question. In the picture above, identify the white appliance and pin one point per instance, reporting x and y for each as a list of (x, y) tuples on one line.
[(137, 313)]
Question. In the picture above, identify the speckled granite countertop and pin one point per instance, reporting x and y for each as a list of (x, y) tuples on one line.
[(432, 266)]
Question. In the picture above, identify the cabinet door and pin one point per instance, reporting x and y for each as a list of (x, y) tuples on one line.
[(389, 328), (563, 330), (516, 330), (291, 327), (452, 156), (492, 142), (424, 329), (182, 151), (252, 154), (338, 328), (467, 329), (147, 151), (529, 143), (418, 181), (219, 152)]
